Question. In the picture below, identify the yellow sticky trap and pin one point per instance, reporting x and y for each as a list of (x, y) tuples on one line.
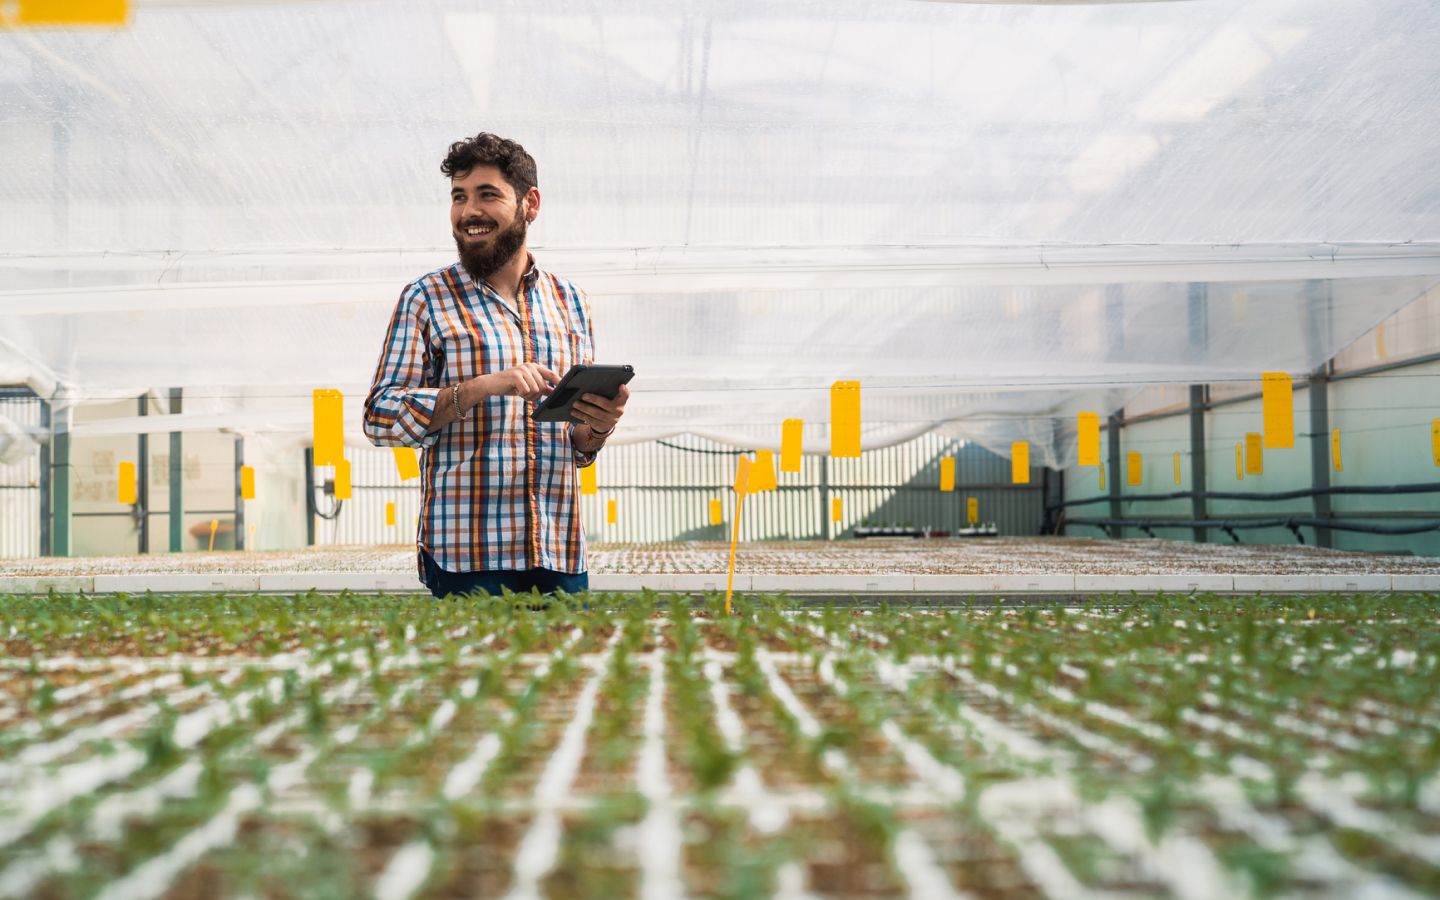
[(1177, 466), (214, 527), (837, 509), (742, 476), (329, 439), (588, 480), (407, 462), (1240, 461), (125, 489), (717, 512), (247, 483), (1435, 439), (1335, 450), (762, 472), (845, 418), (64, 12), (1135, 468), (1087, 425), (1279, 410), (390, 513), (1101, 470), (947, 474), (610, 512), (1020, 462), (1254, 454), (972, 510), (792, 437), (342, 480)]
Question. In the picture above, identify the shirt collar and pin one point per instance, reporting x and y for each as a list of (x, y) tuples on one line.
[(532, 274)]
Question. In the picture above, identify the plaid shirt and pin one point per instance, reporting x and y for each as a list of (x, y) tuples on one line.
[(499, 490)]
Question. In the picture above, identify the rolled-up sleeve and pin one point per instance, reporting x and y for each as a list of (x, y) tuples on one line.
[(405, 389)]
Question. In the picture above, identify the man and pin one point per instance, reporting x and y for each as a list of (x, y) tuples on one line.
[(469, 349)]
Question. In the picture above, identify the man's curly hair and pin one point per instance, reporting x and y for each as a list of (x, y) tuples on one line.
[(485, 149)]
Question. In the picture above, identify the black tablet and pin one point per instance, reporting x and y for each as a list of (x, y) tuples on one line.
[(602, 380)]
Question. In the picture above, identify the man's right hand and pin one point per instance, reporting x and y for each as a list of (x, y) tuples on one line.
[(530, 381)]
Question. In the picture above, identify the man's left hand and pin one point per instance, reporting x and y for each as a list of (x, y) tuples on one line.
[(599, 412)]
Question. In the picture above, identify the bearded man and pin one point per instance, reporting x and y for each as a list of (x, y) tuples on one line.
[(469, 349)]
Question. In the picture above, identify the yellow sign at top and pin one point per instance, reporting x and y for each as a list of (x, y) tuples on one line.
[(1277, 410), (40, 13), (1088, 433)]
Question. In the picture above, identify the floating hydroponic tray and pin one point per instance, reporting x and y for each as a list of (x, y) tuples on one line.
[(321, 746)]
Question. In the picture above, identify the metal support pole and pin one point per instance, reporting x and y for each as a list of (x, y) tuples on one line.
[(142, 477), (1113, 427), (1320, 450), (825, 525), (239, 496), (1199, 508), (1197, 303), (309, 496), (46, 479), (60, 483), (177, 493)]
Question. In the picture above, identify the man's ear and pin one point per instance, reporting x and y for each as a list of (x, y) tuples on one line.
[(531, 204)]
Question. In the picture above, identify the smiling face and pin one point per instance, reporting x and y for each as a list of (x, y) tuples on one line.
[(488, 224)]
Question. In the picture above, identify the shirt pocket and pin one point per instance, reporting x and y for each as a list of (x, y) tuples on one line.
[(580, 350)]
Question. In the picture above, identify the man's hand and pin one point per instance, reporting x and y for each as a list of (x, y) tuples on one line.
[(599, 412), (530, 381)]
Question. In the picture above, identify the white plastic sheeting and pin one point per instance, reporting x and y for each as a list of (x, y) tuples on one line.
[(990, 215)]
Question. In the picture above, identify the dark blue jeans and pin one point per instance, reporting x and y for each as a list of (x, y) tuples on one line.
[(443, 583)]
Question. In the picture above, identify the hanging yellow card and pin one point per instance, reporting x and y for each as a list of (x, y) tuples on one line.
[(1240, 461), (792, 437), (407, 462), (1101, 470), (390, 513), (762, 472), (125, 488), (64, 12), (610, 512), (1020, 462), (247, 483), (1177, 466), (342, 479), (1254, 454), (717, 512), (742, 476), (1335, 450), (1135, 468), (845, 418), (972, 510), (947, 474), (1435, 439), (1087, 425), (1278, 406), (329, 437), (589, 482), (837, 510)]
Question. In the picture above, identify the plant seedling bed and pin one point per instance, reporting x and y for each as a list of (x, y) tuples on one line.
[(395, 746)]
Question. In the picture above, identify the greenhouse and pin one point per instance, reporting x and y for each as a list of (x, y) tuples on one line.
[(1005, 461)]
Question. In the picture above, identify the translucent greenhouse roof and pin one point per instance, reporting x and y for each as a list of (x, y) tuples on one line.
[(989, 214)]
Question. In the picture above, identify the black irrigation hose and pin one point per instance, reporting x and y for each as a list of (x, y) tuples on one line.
[(701, 450), (1424, 488), (1294, 523)]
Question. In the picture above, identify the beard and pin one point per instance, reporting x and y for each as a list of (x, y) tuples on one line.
[(482, 260)]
